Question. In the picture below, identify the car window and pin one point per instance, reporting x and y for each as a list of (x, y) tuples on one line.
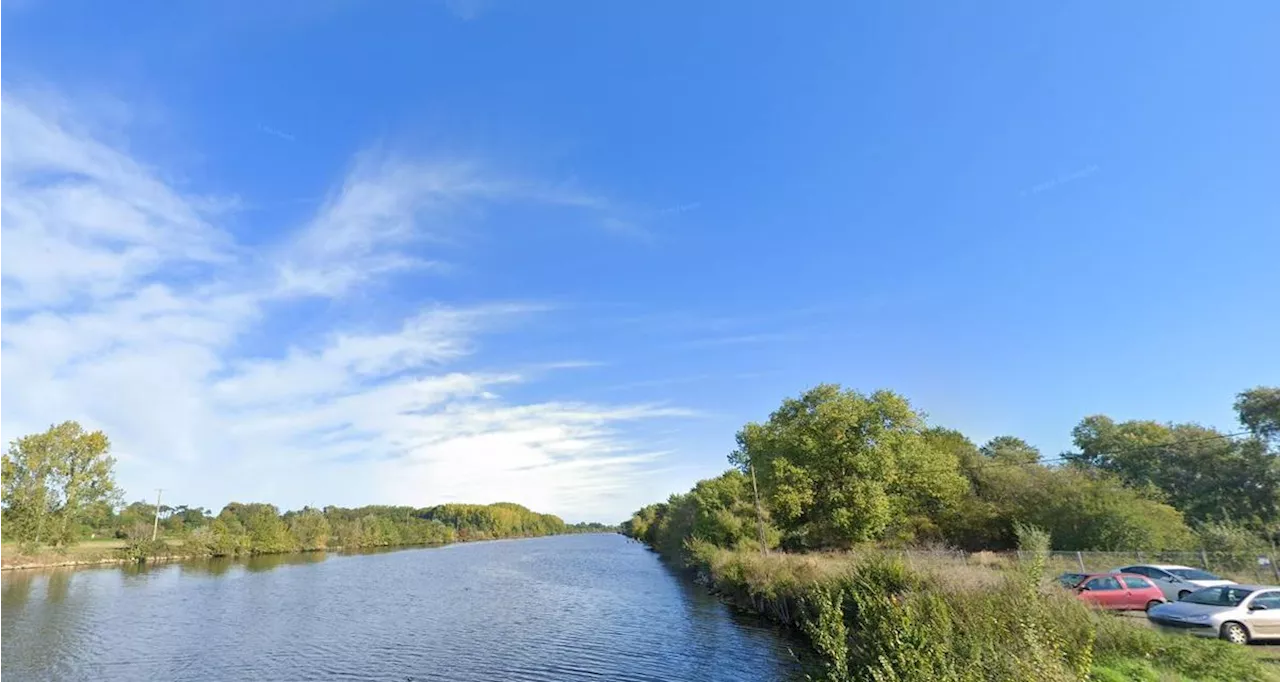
[(1136, 583), (1104, 583), (1227, 595), (1271, 600), (1193, 574), (1071, 579)]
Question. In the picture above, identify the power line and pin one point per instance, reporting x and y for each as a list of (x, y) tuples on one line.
[(1061, 459)]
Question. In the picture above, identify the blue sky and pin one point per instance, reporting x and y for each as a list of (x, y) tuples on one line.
[(557, 253)]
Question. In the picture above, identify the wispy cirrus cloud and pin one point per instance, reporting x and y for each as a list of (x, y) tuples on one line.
[(127, 306), (467, 10), (268, 130), (737, 340), (1062, 180)]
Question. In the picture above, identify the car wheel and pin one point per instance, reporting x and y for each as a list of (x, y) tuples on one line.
[(1153, 603), (1234, 633), (1182, 594)]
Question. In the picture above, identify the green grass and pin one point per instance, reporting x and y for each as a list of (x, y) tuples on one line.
[(873, 617), (13, 555)]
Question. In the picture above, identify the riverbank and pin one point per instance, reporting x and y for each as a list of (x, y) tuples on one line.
[(87, 554), (870, 616), (94, 553)]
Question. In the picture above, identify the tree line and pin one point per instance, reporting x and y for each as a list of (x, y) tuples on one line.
[(59, 488), (837, 468)]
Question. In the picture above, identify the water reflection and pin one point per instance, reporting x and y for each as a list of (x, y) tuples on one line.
[(15, 588), (215, 566), (59, 585), (267, 562), (539, 610)]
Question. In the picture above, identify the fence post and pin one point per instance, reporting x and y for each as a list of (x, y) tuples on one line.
[(1204, 559), (1080, 560), (1139, 555), (1274, 569)]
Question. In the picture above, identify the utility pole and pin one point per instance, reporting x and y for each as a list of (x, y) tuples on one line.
[(764, 548), (155, 527)]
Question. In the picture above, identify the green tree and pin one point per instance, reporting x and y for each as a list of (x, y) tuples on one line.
[(839, 467), (1259, 411), (261, 524), (309, 528), (1084, 509), (1199, 470), (942, 439), (1010, 450), (134, 516), (52, 480), (723, 512)]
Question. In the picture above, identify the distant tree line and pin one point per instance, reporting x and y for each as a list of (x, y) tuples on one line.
[(59, 488), (590, 527), (836, 468)]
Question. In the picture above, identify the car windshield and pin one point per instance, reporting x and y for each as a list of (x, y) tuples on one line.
[(1071, 579), (1193, 574), (1226, 595)]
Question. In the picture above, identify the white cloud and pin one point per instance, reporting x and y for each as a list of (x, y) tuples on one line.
[(128, 308), (82, 220)]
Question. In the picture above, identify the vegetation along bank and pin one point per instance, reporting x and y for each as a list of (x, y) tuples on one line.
[(845, 480), (62, 507)]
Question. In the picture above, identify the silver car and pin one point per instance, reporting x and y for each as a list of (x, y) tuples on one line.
[(1236, 613), (1176, 581)]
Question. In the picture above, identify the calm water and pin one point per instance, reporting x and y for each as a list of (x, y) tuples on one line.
[(585, 607)]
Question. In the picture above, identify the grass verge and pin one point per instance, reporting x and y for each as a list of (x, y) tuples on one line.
[(872, 617)]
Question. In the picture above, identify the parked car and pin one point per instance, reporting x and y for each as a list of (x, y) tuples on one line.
[(1120, 591), (1176, 581), (1236, 613), (1070, 580)]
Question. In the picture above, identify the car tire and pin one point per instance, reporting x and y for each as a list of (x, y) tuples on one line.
[(1152, 604), (1234, 632), (1182, 594)]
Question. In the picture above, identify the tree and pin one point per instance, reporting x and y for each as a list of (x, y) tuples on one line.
[(1259, 411), (839, 467), (1010, 450), (52, 480), (184, 519), (309, 528), (722, 511), (1199, 470)]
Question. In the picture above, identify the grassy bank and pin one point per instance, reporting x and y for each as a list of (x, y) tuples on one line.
[(107, 552), (88, 553), (873, 617)]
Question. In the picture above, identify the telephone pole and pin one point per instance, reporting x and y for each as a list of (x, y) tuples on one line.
[(155, 526), (764, 548)]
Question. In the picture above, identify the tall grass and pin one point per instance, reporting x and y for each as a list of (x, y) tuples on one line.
[(874, 617)]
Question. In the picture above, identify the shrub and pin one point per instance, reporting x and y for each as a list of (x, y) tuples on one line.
[(871, 617)]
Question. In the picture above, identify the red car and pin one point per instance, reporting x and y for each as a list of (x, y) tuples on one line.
[(1119, 591)]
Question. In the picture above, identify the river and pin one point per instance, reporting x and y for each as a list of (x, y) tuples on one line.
[(576, 607)]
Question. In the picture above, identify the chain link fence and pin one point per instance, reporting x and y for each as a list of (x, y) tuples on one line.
[(1243, 567)]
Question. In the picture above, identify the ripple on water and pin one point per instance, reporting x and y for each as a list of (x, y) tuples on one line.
[(589, 607)]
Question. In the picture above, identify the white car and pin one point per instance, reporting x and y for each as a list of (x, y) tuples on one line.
[(1176, 581), (1236, 613)]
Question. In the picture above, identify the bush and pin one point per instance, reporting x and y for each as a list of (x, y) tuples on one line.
[(873, 618), (140, 549)]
